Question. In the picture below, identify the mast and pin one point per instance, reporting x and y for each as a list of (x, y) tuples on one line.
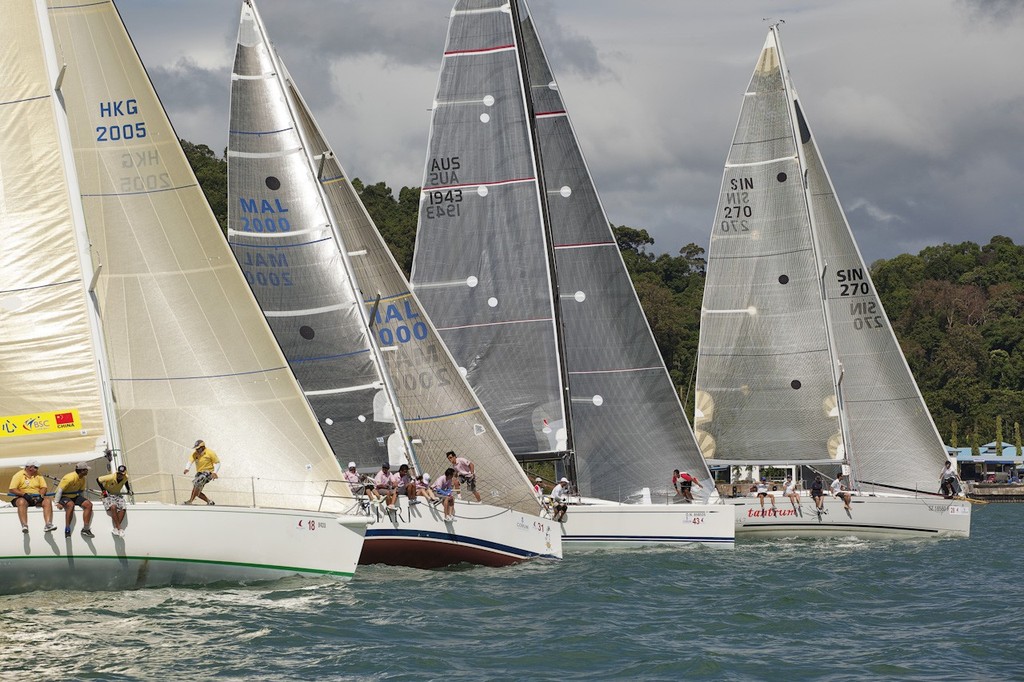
[(799, 127), (375, 349), (556, 301), (90, 275)]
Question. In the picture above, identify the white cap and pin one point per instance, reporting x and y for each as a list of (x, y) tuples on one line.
[(426, 478), (564, 480), (32, 463), (351, 465)]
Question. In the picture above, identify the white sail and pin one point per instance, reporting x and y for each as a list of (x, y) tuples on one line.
[(50, 399), (190, 353), (366, 353), (797, 360), (500, 221), (141, 321)]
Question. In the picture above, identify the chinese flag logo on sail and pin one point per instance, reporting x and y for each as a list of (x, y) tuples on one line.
[(64, 420)]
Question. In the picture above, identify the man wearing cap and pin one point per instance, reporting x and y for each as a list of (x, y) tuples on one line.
[(359, 485), (29, 490), (560, 499), (384, 484), (207, 466), (112, 486), (537, 489), (762, 492), (406, 484), (71, 493)]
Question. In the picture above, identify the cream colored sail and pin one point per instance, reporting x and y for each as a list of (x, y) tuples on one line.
[(190, 353), (49, 384)]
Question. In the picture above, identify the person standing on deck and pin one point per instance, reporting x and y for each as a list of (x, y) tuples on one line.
[(948, 483), (207, 466)]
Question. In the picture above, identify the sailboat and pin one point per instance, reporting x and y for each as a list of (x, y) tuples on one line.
[(128, 332), (798, 367), (366, 354), (516, 262)]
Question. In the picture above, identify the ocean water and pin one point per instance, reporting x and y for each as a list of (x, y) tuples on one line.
[(840, 609)]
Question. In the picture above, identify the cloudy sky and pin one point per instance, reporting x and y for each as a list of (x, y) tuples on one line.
[(917, 105)]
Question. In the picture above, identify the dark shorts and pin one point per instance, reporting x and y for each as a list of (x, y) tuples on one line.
[(77, 500), (686, 485), (31, 500), (469, 482), (817, 493), (762, 494)]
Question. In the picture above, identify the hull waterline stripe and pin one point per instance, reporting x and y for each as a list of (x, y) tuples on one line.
[(210, 562)]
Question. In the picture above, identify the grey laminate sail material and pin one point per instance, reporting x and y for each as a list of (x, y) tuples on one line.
[(791, 319), (483, 259), (381, 382), (188, 351)]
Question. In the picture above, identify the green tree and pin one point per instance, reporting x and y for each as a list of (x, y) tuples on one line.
[(212, 174)]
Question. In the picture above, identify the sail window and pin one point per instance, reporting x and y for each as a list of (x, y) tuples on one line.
[(566, 191), (488, 101), (493, 302), (472, 281), (273, 183), (484, 118), (783, 279), (795, 383), (781, 177), (482, 191), (307, 332)]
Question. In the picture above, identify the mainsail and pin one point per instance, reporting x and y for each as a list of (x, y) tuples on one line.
[(189, 351), (797, 360), (382, 384), (516, 260)]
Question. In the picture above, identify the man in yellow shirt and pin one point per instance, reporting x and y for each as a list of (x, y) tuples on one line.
[(71, 492), (111, 486), (29, 490), (207, 466)]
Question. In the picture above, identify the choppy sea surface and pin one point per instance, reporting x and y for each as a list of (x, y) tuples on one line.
[(840, 609)]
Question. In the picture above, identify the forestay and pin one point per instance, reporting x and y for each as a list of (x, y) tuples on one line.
[(190, 353), (361, 345)]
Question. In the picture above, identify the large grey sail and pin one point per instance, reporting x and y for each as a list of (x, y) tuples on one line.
[(890, 436), (281, 234), (765, 385), (628, 426), (432, 409), (481, 262)]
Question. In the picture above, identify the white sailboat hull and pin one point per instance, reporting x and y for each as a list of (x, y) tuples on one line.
[(870, 517), (595, 524), (177, 545), (480, 534)]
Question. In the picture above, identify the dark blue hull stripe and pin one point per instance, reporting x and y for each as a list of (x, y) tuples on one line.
[(453, 538)]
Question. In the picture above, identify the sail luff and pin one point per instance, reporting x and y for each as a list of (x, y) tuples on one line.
[(799, 127), (545, 213), (89, 272)]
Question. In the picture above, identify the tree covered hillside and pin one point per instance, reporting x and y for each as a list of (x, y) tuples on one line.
[(956, 308)]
